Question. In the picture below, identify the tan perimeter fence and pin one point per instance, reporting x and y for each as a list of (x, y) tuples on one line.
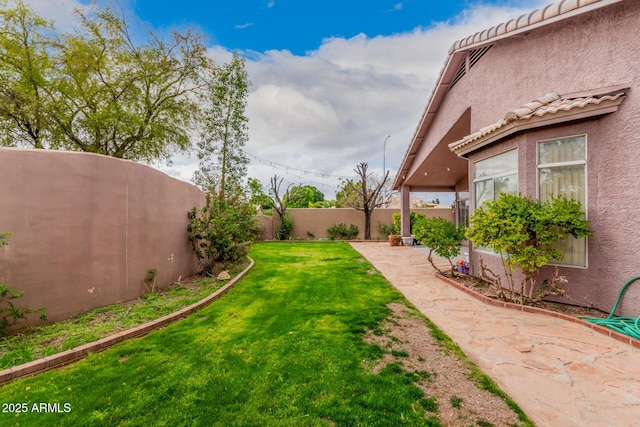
[(314, 223), (87, 229)]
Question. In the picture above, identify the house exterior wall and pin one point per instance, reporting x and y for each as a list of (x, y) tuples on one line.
[(86, 229), (587, 52)]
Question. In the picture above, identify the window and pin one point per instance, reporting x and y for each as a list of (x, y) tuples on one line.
[(495, 175), (492, 176), (562, 165), (462, 202)]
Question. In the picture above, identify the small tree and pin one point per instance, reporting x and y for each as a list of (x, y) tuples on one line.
[(280, 205), (525, 234), (223, 163), (364, 195), (440, 236), (221, 232)]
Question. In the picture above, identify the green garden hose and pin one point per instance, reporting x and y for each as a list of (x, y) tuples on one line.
[(623, 324)]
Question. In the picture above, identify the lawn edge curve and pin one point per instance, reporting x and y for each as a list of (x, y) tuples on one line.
[(70, 356)]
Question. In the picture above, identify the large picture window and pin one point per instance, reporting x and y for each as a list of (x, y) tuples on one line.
[(495, 175), (562, 167)]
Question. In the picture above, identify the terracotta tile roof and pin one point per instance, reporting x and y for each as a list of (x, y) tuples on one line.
[(538, 16), (549, 104)]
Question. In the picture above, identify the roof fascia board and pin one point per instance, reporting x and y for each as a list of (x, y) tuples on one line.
[(435, 99)]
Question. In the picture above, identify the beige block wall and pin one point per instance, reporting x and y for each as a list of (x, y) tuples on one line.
[(87, 228), (316, 222)]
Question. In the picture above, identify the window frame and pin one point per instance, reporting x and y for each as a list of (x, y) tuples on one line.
[(501, 174), (585, 206), (492, 177)]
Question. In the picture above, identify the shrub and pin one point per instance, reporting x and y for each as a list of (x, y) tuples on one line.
[(440, 236), (10, 313), (285, 228), (386, 229), (525, 234), (413, 217), (221, 232), (340, 231)]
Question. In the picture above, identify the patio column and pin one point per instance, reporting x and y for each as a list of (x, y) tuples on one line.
[(405, 211)]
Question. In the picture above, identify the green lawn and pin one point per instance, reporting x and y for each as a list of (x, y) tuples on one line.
[(282, 348), (41, 341)]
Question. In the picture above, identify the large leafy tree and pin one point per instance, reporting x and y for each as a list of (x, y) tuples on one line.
[(99, 90), (223, 163), (308, 196), (257, 195), (364, 194), (25, 67)]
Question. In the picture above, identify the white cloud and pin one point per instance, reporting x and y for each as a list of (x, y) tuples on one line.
[(243, 26), (332, 108), (59, 11)]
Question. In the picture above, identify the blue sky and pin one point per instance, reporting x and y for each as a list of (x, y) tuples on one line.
[(330, 79), (295, 25)]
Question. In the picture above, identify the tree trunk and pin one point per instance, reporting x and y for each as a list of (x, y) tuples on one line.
[(367, 225)]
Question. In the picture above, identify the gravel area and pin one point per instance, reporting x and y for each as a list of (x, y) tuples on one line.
[(460, 401)]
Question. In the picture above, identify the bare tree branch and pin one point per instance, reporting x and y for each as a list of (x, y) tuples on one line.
[(365, 195)]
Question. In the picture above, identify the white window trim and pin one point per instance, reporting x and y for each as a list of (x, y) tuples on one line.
[(509, 172), (586, 187)]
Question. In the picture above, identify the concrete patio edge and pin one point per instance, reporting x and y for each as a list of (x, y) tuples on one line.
[(78, 353), (513, 306)]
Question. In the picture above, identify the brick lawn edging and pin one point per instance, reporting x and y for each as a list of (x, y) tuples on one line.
[(487, 300), (73, 355)]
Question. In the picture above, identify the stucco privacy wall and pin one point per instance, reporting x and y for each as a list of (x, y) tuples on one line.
[(87, 228), (316, 222), (580, 54)]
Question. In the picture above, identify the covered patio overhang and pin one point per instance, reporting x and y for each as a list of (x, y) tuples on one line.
[(432, 167)]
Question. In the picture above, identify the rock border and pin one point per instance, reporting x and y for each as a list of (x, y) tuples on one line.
[(529, 309), (68, 357)]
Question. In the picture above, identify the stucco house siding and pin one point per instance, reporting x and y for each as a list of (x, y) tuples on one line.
[(576, 56)]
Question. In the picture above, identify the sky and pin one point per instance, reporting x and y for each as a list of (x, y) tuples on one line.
[(333, 83)]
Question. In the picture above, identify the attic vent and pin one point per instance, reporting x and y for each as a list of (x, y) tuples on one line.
[(470, 60), (476, 54), (462, 70)]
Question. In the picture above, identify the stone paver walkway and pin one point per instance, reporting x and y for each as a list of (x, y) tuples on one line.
[(560, 373)]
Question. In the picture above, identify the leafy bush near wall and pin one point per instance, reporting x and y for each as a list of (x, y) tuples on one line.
[(413, 217), (10, 313), (386, 229), (341, 232), (440, 236), (221, 232), (285, 228), (526, 233)]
